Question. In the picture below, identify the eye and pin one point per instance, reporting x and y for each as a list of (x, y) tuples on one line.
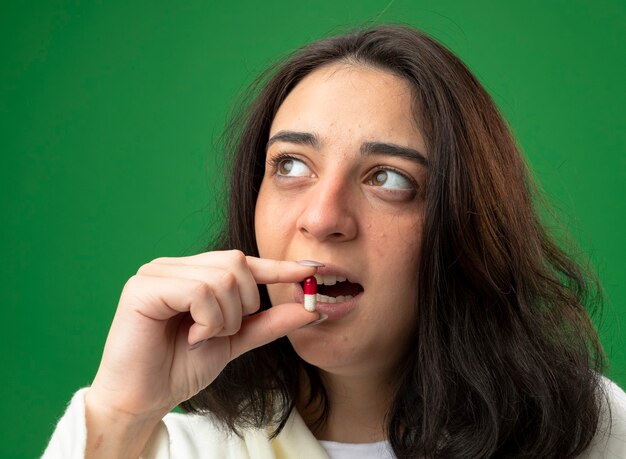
[(390, 179), (292, 167)]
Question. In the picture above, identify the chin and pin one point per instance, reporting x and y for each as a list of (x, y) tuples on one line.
[(326, 351)]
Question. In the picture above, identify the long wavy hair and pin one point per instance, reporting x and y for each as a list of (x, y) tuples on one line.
[(505, 361)]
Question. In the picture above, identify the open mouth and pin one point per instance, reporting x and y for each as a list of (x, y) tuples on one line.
[(335, 289)]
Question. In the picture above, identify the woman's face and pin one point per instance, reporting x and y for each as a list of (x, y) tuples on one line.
[(343, 185)]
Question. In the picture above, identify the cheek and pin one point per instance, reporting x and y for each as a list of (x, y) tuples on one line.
[(274, 224), (381, 247), (397, 245), (265, 224), (397, 249)]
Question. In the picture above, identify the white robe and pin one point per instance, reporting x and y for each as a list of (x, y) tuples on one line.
[(190, 436)]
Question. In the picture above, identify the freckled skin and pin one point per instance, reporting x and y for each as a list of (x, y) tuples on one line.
[(338, 217)]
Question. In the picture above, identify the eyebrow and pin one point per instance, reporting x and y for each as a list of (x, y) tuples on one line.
[(368, 148), (299, 138), (390, 149)]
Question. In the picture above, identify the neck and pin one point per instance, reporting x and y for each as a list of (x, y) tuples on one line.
[(358, 409)]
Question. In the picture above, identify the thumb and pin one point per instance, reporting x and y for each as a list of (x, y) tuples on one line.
[(269, 325)]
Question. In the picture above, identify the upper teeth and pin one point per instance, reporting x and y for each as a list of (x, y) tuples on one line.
[(328, 279)]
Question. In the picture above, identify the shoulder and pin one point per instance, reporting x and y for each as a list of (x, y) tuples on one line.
[(610, 439), (195, 436), (192, 435)]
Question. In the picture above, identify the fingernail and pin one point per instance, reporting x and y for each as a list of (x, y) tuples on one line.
[(197, 345), (315, 264), (322, 318)]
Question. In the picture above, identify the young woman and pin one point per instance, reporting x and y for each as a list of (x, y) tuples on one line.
[(448, 323)]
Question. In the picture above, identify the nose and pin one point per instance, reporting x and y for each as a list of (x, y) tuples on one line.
[(328, 214)]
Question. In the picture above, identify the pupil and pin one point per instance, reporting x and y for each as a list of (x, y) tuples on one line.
[(380, 178), (286, 166)]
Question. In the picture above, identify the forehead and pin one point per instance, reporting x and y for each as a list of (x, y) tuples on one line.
[(353, 103)]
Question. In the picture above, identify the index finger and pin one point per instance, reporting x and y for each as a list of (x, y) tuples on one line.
[(268, 271)]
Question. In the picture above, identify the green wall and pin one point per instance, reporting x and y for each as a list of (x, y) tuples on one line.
[(110, 112)]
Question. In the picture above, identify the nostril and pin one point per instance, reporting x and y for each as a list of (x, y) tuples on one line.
[(331, 224)]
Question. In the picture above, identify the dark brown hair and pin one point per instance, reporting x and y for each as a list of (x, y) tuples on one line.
[(505, 360)]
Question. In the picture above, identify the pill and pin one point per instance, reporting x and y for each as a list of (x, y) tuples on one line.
[(310, 293)]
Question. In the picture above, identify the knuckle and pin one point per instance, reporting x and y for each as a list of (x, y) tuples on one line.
[(228, 281), (218, 322), (238, 257), (231, 327), (213, 324), (256, 300), (135, 291), (132, 283), (253, 302), (160, 260), (145, 268), (201, 290)]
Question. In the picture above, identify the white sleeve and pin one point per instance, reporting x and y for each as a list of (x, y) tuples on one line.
[(610, 439), (616, 447), (70, 435)]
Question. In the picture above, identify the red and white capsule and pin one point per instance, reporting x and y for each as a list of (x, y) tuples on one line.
[(310, 293)]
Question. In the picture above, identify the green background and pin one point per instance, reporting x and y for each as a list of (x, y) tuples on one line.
[(109, 117)]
